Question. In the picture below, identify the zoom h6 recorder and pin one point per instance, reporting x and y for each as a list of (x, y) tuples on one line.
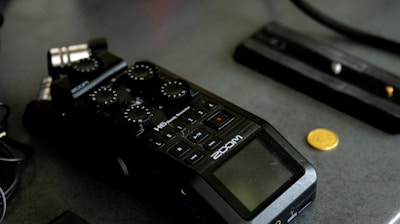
[(230, 164)]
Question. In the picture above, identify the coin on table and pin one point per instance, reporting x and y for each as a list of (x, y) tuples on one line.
[(322, 139)]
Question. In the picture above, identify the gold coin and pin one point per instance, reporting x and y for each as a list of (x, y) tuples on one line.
[(322, 139)]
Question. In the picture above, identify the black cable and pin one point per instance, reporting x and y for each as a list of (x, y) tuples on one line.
[(15, 173), (350, 32), (9, 163), (4, 205), (11, 177)]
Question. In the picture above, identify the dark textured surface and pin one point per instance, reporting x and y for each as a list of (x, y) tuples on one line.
[(358, 182)]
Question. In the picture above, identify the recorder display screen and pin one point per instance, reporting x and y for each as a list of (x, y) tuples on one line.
[(253, 174)]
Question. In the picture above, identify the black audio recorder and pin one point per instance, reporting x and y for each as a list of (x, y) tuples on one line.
[(230, 165)]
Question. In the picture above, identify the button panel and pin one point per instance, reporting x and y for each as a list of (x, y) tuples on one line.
[(199, 131), (189, 138), (156, 110)]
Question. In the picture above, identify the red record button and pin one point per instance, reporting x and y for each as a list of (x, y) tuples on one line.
[(219, 120)]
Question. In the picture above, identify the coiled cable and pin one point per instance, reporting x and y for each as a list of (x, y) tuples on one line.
[(10, 164)]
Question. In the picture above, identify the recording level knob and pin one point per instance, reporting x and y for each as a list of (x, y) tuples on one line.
[(84, 69), (177, 90), (141, 74), (104, 99), (137, 118), (86, 65)]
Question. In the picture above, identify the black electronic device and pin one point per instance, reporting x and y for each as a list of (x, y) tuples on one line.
[(227, 164), (332, 76)]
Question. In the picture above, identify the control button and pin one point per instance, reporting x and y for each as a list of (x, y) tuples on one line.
[(212, 143), (176, 90), (104, 99), (104, 96), (180, 127), (210, 105), (137, 114), (219, 120), (198, 135), (137, 118), (200, 113), (84, 68), (169, 135), (179, 149), (156, 143), (190, 119), (140, 72), (141, 75), (195, 157)]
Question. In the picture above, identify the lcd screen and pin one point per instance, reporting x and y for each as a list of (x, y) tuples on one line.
[(253, 174)]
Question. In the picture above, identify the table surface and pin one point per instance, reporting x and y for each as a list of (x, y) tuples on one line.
[(357, 183)]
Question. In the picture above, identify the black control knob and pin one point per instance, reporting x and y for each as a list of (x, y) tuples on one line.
[(176, 91), (84, 69), (141, 74), (86, 65), (104, 99), (137, 118)]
